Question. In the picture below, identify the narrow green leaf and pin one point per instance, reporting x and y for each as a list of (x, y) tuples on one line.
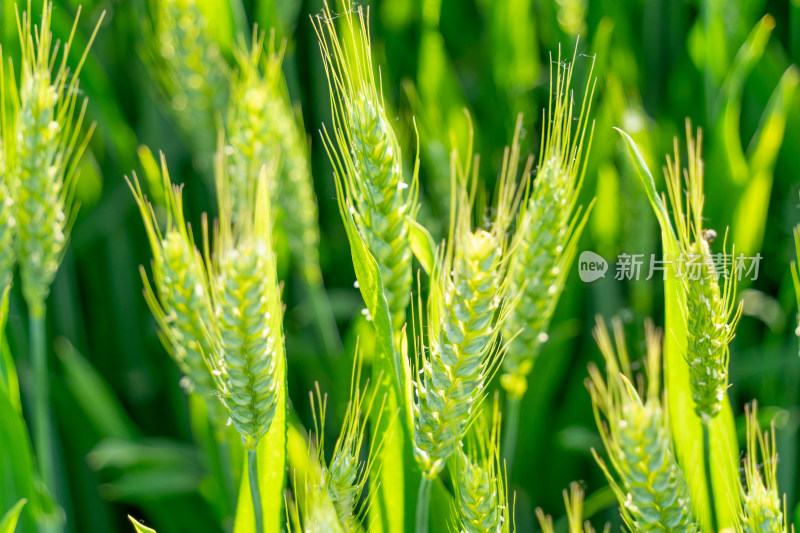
[(370, 285), (422, 245), (140, 528), (750, 218), (8, 370), (99, 402), (9, 522), (649, 183), (16, 461)]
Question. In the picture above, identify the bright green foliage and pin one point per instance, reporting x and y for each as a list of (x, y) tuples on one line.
[(796, 275), (649, 484), (480, 482), (710, 315), (8, 523), (190, 70), (7, 220), (263, 130), (179, 297), (367, 156), (763, 508), (249, 367), (139, 527), (468, 289), (41, 166), (547, 237)]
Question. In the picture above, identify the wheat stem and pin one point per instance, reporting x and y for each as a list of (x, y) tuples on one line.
[(511, 431), (423, 504), (709, 481), (252, 472), (41, 401)]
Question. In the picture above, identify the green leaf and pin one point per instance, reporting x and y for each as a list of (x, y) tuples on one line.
[(750, 218), (9, 522), (16, 461), (422, 245), (140, 528), (271, 471), (8, 370), (685, 424), (93, 394)]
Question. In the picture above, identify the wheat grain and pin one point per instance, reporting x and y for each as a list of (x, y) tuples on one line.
[(47, 127), (191, 73), (248, 310), (711, 316), (547, 237), (366, 154), (180, 302), (468, 290), (763, 510), (649, 485)]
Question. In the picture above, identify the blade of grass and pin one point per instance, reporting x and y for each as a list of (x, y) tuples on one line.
[(9, 521)]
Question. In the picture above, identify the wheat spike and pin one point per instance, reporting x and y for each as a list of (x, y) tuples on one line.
[(179, 296), (464, 305), (764, 509), (649, 485), (249, 369), (549, 227), (262, 129), (332, 491), (480, 481), (48, 117), (711, 314), (191, 73), (366, 154)]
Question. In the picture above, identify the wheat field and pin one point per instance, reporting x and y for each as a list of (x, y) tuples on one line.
[(399, 265)]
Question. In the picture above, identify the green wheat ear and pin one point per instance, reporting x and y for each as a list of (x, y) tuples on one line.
[(550, 226), (573, 503), (249, 368), (366, 155), (7, 219), (711, 314), (41, 164), (179, 296), (649, 485), (346, 474), (465, 309), (763, 509), (191, 74), (332, 491), (481, 488), (262, 129)]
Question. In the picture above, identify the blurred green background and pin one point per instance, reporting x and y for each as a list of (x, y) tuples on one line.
[(125, 440)]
